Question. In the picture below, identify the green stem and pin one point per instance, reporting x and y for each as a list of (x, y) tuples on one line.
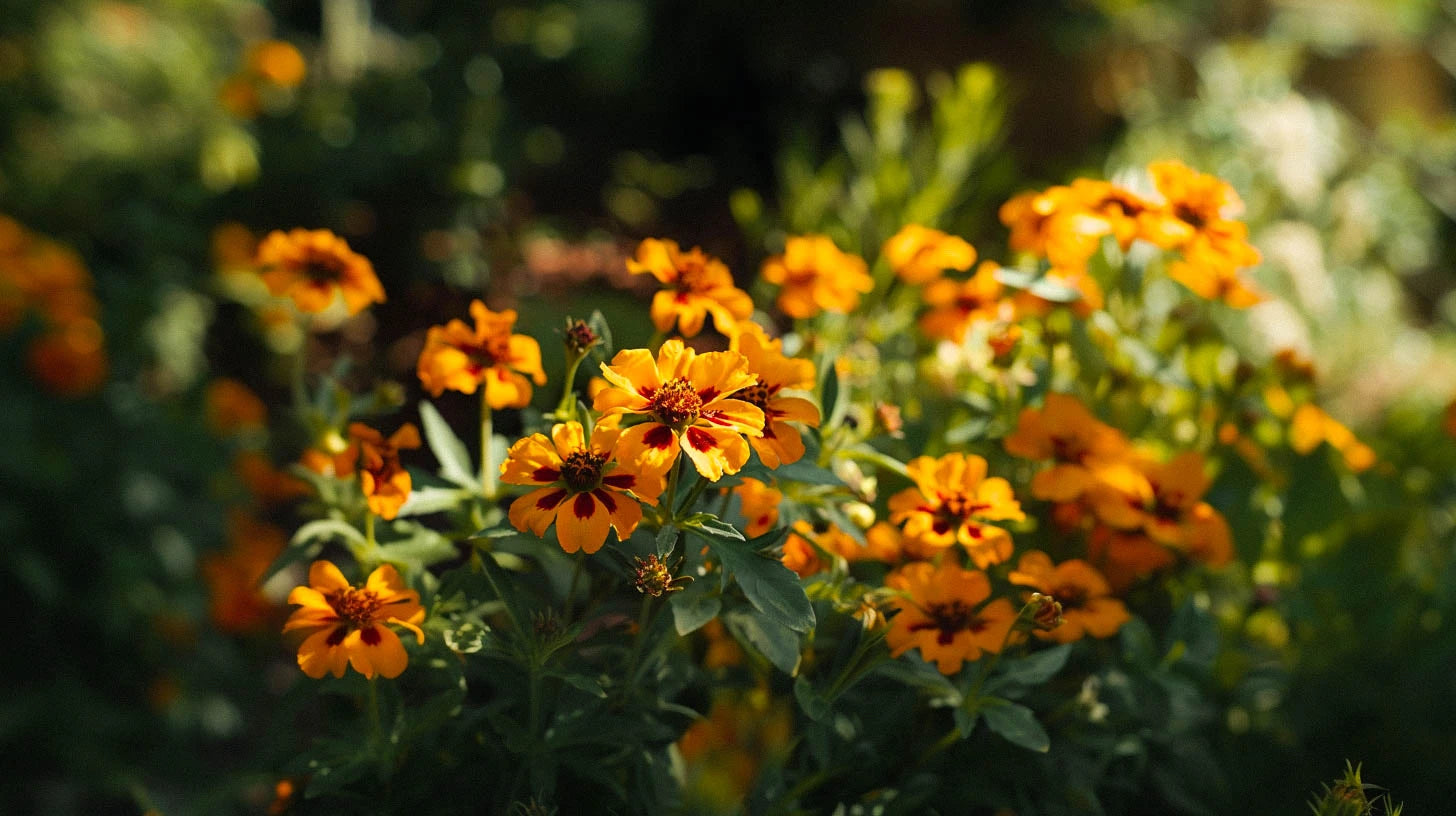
[(644, 620), (571, 587), (510, 613), (667, 508), (693, 495), (533, 704), (487, 430), (375, 732), (566, 408)]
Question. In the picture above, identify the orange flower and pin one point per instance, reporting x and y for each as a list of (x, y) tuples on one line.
[(1087, 605), (944, 616), (1167, 508), (459, 359), (1311, 426), (235, 601), (799, 554), (684, 396), (760, 506), (233, 408), (803, 546), (816, 276), (1059, 223), (343, 624), (957, 305), (277, 62), (780, 443), (313, 267), (949, 503), (920, 254), (70, 361), (1084, 449), (268, 484), (583, 488), (698, 285), (386, 484), (1125, 558), (1197, 220)]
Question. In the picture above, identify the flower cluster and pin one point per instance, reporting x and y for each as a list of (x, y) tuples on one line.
[(42, 278)]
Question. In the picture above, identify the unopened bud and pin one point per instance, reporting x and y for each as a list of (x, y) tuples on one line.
[(579, 337), (860, 513), (1043, 612), (654, 578)]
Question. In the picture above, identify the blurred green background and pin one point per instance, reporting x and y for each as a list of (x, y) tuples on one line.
[(519, 151)]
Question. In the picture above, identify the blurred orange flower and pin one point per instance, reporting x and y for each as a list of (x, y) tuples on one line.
[(458, 359), (343, 625), (277, 62), (1167, 507), (236, 602), (955, 306), (1312, 425), (697, 284), (386, 484), (760, 506), (1085, 596), (780, 443), (233, 408), (919, 254), (313, 267), (816, 276), (943, 614), (1083, 449), (951, 500), (583, 488)]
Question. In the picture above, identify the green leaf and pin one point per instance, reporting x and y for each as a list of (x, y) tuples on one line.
[(448, 449), (1032, 670), (965, 721), (769, 638), (421, 549), (665, 540), (327, 530), (1017, 723), (426, 500), (814, 704), (772, 588), (694, 607), (712, 526)]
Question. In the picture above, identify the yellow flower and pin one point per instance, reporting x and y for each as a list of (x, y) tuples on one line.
[(951, 500), (583, 488), (1167, 507), (760, 506), (816, 276), (344, 625), (386, 484), (1084, 450), (780, 443), (313, 267), (458, 359), (957, 305), (697, 284), (1085, 596), (920, 254), (1197, 219), (685, 399), (943, 614)]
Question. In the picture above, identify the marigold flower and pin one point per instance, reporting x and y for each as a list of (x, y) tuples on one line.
[(1060, 223), (313, 267), (945, 615), (69, 361), (760, 506), (951, 500), (235, 601), (343, 625), (957, 305), (816, 276), (685, 398), (1197, 220), (277, 62), (802, 547), (1167, 507), (458, 359), (386, 484), (1085, 451), (1125, 558), (266, 483), (780, 443), (698, 285), (920, 254), (583, 488), (232, 407), (1312, 425), (1085, 596)]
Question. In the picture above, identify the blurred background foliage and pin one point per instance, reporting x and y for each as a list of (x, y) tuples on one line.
[(519, 150)]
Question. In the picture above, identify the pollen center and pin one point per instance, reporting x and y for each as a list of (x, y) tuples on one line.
[(756, 395), (489, 352), (582, 470), (356, 608), (676, 403), (693, 277), (950, 618)]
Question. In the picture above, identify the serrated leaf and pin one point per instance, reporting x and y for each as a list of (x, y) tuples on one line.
[(772, 588), (426, 500), (452, 454), (769, 638), (694, 607), (327, 530), (1017, 723), (665, 540), (713, 526)]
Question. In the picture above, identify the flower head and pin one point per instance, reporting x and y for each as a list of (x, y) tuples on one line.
[(780, 443), (1084, 596), (583, 486), (386, 484), (344, 625), (1167, 507), (920, 254), (1083, 449), (760, 506), (816, 276), (951, 502), (689, 402), (313, 267), (1197, 219), (944, 614), (697, 284), (957, 305), (459, 359)]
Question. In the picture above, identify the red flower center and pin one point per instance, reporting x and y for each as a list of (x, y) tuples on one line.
[(948, 619), (582, 470), (356, 608), (676, 403)]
